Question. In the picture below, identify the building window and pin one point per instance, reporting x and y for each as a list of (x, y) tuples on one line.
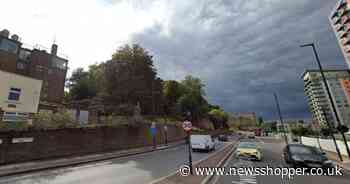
[(39, 68), (8, 46), (14, 116), (21, 66), (14, 94), (24, 54), (59, 63)]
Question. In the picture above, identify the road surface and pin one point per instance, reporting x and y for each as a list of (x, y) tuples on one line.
[(272, 151), (136, 169)]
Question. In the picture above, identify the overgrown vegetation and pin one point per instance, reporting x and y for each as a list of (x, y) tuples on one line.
[(13, 126), (126, 80), (130, 78), (60, 119), (299, 130)]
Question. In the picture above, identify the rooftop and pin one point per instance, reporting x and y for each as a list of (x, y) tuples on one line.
[(324, 70)]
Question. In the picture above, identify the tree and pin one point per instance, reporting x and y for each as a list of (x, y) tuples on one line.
[(81, 85), (130, 78), (274, 126), (211, 107), (219, 118), (193, 85), (260, 122), (172, 91), (300, 130), (193, 100)]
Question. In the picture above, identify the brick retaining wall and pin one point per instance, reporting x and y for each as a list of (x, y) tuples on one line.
[(68, 142)]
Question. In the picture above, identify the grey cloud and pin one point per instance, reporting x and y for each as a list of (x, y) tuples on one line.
[(245, 50)]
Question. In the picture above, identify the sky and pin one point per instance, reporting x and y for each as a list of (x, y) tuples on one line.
[(244, 50)]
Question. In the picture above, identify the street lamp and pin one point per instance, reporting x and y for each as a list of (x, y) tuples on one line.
[(332, 134), (328, 91), (281, 119)]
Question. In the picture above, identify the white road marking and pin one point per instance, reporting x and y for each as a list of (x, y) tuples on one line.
[(245, 179)]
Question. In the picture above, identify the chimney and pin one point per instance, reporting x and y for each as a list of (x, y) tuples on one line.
[(54, 49), (5, 33)]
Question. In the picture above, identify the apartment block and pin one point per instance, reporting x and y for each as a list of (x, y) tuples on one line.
[(319, 103), (340, 22)]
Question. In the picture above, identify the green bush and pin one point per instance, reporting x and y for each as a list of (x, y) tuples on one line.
[(14, 126), (60, 119)]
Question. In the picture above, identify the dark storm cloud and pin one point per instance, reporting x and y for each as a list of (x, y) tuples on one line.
[(245, 50)]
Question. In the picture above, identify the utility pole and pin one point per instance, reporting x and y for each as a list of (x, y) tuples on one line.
[(281, 119), (152, 97), (332, 135), (328, 92)]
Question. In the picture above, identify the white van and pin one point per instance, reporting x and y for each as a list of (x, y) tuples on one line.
[(202, 142)]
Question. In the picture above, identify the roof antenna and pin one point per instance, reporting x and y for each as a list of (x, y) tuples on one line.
[(54, 39), (54, 47)]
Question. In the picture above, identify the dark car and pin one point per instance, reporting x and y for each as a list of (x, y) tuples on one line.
[(301, 156), (223, 138), (251, 136)]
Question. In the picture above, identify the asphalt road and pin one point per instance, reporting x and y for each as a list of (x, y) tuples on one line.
[(136, 169), (272, 152)]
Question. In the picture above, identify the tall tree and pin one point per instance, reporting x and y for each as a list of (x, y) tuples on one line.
[(219, 118), (81, 85), (130, 78), (260, 121), (193, 100), (172, 91)]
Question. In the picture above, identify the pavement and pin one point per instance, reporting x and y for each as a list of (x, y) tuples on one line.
[(138, 168), (26, 167), (344, 164), (272, 152)]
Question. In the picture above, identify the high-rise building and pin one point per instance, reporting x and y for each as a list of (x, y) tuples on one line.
[(37, 63), (340, 22), (319, 103)]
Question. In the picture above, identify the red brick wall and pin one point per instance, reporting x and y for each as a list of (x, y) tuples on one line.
[(1, 114), (69, 142), (54, 79), (8, 62)]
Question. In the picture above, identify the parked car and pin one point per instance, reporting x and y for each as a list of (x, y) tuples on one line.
[(223, 138), (251, 136), (249, 150), (202, 142), (298, 155)]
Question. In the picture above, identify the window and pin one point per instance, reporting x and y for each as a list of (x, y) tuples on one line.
[(8, 46), (59, 63), (24, 54), (14, 94), (14, 116), (39, 68), (21, 66)]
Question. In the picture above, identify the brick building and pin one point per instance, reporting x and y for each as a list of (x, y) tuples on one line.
[(36, 63)]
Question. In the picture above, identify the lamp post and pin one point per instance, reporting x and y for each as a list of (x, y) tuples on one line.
[(328, 92), (332, 135), (281, 119)]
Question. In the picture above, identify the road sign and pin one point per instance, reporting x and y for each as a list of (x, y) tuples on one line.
[(187, 126), (153, 129)]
